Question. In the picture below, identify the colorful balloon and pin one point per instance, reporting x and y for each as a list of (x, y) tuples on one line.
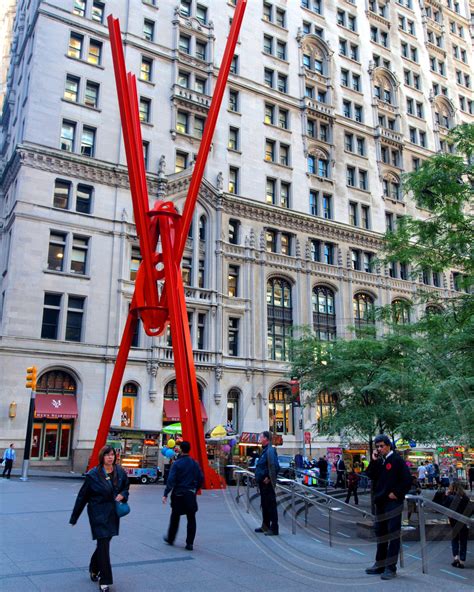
[(164, 450), (169, 453), (171, 443), (226, 448)]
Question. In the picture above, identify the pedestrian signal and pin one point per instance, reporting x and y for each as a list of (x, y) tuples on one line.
[(31, 377)]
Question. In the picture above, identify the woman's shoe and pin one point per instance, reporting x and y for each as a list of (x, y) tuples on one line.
[(104, 588), (461, 565), (456, 563), (94, 576)]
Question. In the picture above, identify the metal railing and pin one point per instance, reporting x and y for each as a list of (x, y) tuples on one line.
[(298, 492), (423, 503), (323, 501)]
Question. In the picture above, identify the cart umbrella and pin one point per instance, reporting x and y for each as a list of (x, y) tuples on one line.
[(174, 428)]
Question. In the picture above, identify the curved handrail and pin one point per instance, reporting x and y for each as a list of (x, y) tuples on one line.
[(441, 509)]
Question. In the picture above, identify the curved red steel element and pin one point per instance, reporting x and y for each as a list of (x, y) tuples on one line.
[(155, 309)]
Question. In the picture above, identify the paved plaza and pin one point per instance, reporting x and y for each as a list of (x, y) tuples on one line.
[(41, 551)]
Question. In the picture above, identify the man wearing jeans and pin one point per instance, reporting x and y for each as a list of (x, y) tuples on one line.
[(392, 482)]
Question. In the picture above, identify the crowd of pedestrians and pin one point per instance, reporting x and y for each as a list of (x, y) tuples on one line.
[(105, 493)]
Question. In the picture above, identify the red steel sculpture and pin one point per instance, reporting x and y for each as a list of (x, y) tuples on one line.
[(154, 307)]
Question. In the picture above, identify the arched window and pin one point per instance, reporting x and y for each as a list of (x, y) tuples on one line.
[(170, 392), (385, 87), (324, 314), (280, 410), (392, 187), (315, 56), (401, 311), (233, 397), (280, 319), (363, 305), (318, 164), (444, 113), (129, 400), (433, 309), (56, 382)]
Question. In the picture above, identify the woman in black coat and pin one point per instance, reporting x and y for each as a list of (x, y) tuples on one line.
[(458, 501), (105, 485)]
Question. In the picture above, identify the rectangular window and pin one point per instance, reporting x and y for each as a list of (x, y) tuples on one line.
[(284, 155), (234, 100), (313, 203), (269, 114), (183, 79), (285, 194), (268, 77), (201, 331), (79, 7), (233, 336), (135, 261), (88, 141), (62, 192), (71, 90), (361, 146), (353, 214), (51, 313), (281, 50), (84, 199), (233, 281), (97, 13), (234, 67), (327, 206), (181, 162), (199, 123), (182, 122), (270, 191), (201, 50), (146, 69), (80, 247), (328, 253), (185, 44), (270, 241), (148, 30), (233, 180), (283, 118), (270, 151), (95, 52), (76, 42), (282, 83), (351, 176), (233, 142), (56, 251), (365, 217), (201, 14), (75, 312), (68, 133), (91, 94), (186, 270), (363, 180), (144, 110), (234, 226)]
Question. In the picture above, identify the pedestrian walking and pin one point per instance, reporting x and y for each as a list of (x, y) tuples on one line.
[(421, 474), (184, 481), (105, 485), (322, 465), (392, 481), (352, 485), (266, 472), (457, 500), (340, 471), (412, 506), (471, 477), (9, 457)]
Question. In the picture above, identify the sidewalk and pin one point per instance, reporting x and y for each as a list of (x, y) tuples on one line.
[(41, 551)]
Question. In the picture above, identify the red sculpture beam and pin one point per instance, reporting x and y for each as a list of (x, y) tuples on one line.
[(155, 309)]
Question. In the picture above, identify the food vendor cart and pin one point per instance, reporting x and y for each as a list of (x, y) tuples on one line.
[(137, 453)]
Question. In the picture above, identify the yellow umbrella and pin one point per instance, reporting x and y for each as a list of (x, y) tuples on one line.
[(218, 432)]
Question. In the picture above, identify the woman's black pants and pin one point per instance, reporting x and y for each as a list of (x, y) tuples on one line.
[(100, 561)]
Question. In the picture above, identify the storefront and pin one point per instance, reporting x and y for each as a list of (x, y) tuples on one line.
[(454, 461), (55, 412)]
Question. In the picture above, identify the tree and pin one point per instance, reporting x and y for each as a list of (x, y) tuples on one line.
[(376, 382), (443, 187)]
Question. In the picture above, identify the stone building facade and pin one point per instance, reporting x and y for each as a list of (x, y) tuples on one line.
[(327, 105)]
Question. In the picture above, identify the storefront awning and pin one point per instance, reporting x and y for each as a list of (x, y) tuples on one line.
[(56, 406), (171, 411)]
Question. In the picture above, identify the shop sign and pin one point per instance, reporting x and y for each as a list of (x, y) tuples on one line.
[(150, 442), (307, 437), (249, 438)]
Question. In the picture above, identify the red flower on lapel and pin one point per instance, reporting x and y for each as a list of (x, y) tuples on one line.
[(388, 466)]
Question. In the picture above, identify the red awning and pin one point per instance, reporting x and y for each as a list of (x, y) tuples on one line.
[(56, 406), (171, 411)]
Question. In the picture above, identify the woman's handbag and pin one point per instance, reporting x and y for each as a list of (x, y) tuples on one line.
[(122, 509)]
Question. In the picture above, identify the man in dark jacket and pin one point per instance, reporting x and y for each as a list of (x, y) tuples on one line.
[(340, 471), (266, 471), (322, 465), (184, 480), (391, 482)]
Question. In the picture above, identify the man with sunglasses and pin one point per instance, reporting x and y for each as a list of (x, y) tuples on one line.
[(392, 480)]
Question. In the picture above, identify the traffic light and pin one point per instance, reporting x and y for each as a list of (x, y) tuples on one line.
[(31, 377)]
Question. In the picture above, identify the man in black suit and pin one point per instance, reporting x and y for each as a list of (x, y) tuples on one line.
[(184, 481), (392, 480), (340, 471)]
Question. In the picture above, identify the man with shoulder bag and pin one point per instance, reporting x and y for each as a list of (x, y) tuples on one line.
[(184, 481)]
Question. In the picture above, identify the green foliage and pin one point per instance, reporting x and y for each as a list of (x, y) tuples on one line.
[(443, 186)]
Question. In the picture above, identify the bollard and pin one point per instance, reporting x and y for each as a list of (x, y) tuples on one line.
[(422, 525)]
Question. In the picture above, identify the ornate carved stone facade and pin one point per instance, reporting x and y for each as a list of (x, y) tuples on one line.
[(301, 183)]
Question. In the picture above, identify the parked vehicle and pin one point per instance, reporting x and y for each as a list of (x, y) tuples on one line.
[(147, 475), (287, 466)]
